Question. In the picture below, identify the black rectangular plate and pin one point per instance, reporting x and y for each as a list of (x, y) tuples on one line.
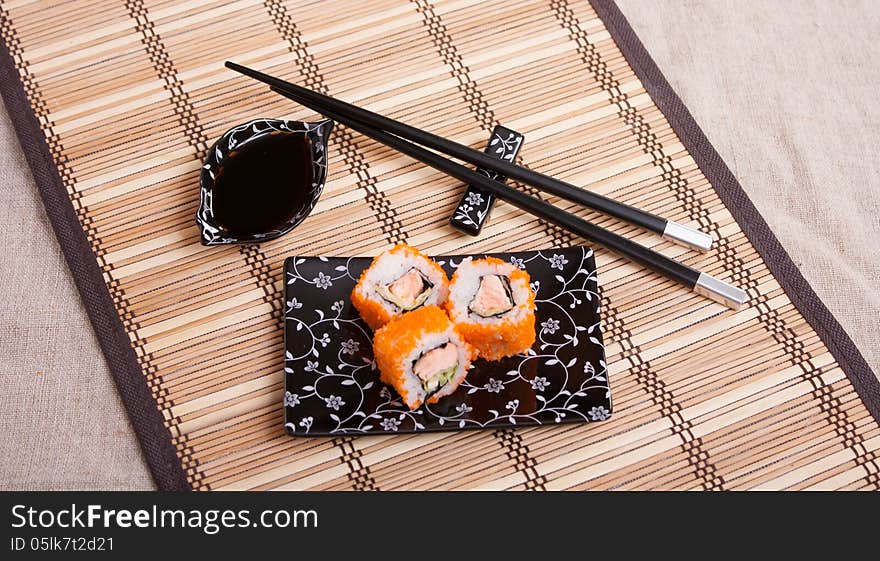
[(332, 385)]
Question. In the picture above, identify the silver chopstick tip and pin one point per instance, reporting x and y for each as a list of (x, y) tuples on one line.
[(720, 291), (685, 235)]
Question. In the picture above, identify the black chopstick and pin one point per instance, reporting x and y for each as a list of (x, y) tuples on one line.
[(669, 229), (679, 272)]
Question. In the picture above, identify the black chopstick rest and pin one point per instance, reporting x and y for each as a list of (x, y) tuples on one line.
[(475, 205)]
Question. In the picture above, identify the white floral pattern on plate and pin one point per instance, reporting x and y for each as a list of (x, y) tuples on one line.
[(333, 387)]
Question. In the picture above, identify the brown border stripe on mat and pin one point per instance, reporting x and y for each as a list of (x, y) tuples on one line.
[(647, 377), (392, 229), (511, 442), (358, 473), (145, 417), (19, 93), (451, 57), (353, 158), (475, 100), (198, 139), (741, 207), (253, 256)]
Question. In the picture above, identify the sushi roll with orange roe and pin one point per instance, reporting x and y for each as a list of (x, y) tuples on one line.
[(399, 280), (493, 305), (422, 355)]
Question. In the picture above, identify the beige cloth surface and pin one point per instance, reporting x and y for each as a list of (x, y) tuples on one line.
[(784, 90), (62, 422)]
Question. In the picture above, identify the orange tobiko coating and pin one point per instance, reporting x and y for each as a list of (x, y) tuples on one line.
[(401, 337)]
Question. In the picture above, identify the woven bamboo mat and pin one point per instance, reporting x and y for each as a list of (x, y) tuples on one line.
[(128, 96)]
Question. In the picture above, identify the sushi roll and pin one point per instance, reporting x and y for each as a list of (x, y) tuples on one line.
[(493, 305), (399, 280), (422, 355)]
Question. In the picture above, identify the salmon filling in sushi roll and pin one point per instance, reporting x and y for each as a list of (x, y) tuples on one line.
[(422, 355), (493, 305), (399, 280)]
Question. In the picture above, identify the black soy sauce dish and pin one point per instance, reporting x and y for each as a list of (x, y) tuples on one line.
[(261, 179)]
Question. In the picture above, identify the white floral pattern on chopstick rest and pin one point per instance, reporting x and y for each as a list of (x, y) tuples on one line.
[(475, 205)]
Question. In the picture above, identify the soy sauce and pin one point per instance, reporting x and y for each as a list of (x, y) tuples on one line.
[(263, 184)]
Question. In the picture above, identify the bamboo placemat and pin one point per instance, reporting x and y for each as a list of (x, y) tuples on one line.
[(116, 103)]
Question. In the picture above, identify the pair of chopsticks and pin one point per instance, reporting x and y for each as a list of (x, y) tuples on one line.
[(398, 135)]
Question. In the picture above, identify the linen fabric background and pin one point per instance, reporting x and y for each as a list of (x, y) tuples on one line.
[(784, 90)]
